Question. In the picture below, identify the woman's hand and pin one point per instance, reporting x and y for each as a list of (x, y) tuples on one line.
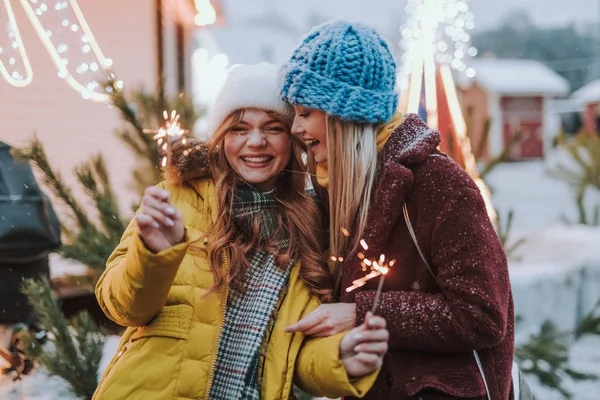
[(326, 320), (363, 348), (160, 224)]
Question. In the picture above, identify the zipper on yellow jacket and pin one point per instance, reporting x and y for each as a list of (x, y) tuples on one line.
[(223, 311), (106, 374)]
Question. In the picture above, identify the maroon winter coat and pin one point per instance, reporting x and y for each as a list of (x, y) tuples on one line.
[(432, 337)]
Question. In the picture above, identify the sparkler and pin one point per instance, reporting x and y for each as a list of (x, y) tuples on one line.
[(378, 267), (165, 134)]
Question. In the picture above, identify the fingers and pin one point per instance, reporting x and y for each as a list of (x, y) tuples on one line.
[(157, 215), (157, 193), (145, 223), (160, 199), (369, 360), (360, 335), (379, 348), (310, 323), (160, 211), (375, 322), (323, 329)]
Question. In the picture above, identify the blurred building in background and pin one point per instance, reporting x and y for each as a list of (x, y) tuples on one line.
[(142, 42), (515, 96)]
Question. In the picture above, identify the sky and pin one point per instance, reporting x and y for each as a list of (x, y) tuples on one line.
[(383, 12)]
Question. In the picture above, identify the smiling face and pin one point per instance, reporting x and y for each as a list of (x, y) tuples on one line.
[(258, 148), (310, 125)]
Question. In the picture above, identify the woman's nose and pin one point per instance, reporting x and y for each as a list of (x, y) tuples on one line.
[(256, 138), (297, 128)]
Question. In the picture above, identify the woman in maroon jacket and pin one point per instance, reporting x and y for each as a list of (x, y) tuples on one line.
[(372, 160)]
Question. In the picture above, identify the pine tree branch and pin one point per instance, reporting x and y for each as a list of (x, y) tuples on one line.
[(90, 248), (89, 175), (504, 234), (139, 147), (35, 153), (77, 348), (584, 152), (546, 354), (120, 102)]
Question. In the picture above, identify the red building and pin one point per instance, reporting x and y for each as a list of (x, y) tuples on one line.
[(589, 98), (516, 97)]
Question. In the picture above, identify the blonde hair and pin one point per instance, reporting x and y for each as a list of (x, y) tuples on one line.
[(298, 219), (352, 166)]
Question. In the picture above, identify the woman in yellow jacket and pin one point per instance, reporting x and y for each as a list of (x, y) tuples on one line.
[(220, 258)]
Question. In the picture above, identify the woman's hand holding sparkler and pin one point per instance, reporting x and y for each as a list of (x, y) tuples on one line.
[(363, 348), (326, 320), (160, 224)]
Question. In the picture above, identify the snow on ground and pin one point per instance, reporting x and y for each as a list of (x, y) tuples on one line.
[(61, 267), (586, 358), (555, 274), (537, 199), (40, 386)]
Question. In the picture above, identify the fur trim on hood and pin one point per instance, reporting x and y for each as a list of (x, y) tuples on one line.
[(188, 161)]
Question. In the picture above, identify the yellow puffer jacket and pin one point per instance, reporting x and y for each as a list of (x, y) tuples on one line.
[(169, 348)]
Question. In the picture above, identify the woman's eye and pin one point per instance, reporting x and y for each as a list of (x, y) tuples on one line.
[(239, 131), (275, 129), (303, 115)]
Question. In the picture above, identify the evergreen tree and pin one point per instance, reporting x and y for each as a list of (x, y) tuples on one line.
[(546, 354), (91, 240), (582, 173), (77, 346), (567, 51)]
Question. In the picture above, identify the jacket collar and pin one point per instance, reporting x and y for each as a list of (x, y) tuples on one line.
[(410, 145)]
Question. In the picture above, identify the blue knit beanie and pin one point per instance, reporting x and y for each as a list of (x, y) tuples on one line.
[(344, 69)]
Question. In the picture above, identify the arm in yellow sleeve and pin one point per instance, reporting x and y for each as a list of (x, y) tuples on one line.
[(320, 372), (136, 282)]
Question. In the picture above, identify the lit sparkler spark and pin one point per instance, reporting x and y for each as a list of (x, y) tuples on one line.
[(378, 267), (376, 270), (166, 133)]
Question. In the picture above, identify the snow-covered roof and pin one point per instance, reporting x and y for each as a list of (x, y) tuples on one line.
[(590, 93), (518, 77)]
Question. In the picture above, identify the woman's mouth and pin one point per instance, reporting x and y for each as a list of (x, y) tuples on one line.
[(312, 143), (257, 160)]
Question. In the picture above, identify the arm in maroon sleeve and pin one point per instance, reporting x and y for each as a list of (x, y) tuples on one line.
[(472, 273)]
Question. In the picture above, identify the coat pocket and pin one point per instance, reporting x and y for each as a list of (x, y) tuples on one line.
[(161, 344), (172, 321)]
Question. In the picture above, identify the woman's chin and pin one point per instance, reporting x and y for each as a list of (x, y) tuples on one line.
[(319, 156)]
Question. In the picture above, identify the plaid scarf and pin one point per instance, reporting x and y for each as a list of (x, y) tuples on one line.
[(250, 315)]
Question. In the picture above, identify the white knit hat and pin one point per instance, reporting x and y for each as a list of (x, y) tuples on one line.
[(249, 86)]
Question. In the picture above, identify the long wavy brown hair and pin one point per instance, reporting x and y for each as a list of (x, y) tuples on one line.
[(298, 221)]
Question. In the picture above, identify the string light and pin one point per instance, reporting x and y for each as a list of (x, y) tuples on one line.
[(64, 32), (436, 40), (438, 29), (460, 131), (206, 13), (11, 50)]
